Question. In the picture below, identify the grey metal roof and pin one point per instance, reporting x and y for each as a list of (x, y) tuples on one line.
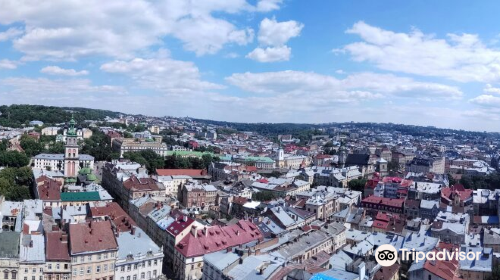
[(138, 244), (9, 244)]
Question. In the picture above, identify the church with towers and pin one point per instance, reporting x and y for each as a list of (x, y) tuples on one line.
[(71, 161)]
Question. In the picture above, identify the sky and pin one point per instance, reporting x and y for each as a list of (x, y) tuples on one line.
[(413, 62)]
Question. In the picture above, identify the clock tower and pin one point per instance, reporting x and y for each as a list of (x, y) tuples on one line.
[(71, 157)]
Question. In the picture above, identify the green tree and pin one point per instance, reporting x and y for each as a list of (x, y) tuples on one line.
[(357, 184), (30, 146)]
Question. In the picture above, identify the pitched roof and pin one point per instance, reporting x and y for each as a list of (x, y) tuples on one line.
[(92, 237), (141, 184), (216, 238), (57, 246), (115, 213), (48, 189)]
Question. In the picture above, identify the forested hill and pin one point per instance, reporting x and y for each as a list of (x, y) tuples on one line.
[(17, 115)]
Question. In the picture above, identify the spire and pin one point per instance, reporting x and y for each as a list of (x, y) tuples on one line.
[(72, 130)]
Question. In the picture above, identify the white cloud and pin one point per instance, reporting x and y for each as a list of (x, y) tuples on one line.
[(486, 100), (8, 64), (268, 5), (273, 33), (273, 36), (121, 29), (162, 74), (460, 57), (270, 54), (232, 55), (307, 84), (56, 70), (54, 89), (207, 35), (10, 33), (490, 89)]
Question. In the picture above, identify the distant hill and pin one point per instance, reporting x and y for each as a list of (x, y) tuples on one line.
[(17, 115)]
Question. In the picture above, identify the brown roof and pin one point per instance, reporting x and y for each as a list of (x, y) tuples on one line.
[(185, 172), (57, 246), (92, 237), (115, 213), (141, 184), (48, 189), (385, 273)]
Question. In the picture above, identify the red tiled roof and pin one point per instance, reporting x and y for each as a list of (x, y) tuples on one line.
[(240, 200), (216, 238), (48, 189), (115, 213), (456, 189), (181, 223), (447, 269), (57, 246), (371, 184), (393, 202), (185, 172), (251, 168), (92, 237)]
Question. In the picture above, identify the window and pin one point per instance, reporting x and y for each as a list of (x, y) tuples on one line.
[(5, 274), (128, 277), (149, 263), (99, 256), (81, 271), (105, 267), (49, 266), (122, 268), (33, 278), (89, 269), (128, 267), (135, 277), (58, 266), (65, 277), (98, 269), (154, 273), (105, 256), (14, 275), (41, 277), (34, 269), (122, 278), (41, 269), (143, 275), (75, 272), (149, 274), (156, 262), (135, 266), (82, 259), (89, 258)]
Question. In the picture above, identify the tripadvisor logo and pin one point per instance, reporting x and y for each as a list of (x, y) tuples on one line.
[(387, 255)]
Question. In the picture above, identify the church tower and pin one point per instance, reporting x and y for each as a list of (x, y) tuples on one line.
[(71, 157), (280, 161), (342, 155)]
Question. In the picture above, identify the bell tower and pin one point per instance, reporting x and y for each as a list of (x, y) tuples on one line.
[(71, 157)]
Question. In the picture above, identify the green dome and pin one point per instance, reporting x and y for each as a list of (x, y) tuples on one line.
[(85, 171), (69, 180), (91, 177)]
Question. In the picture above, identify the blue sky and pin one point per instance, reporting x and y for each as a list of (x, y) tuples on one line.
[(414, 62)]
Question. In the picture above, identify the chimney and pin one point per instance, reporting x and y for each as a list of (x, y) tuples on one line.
[(132, 230)]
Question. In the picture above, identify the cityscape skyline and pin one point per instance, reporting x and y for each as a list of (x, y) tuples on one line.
[(259, 61)]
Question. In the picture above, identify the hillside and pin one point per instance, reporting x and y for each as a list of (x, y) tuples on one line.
[(17, 115)]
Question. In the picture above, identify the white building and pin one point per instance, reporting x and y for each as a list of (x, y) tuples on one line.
[(138, 256)]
